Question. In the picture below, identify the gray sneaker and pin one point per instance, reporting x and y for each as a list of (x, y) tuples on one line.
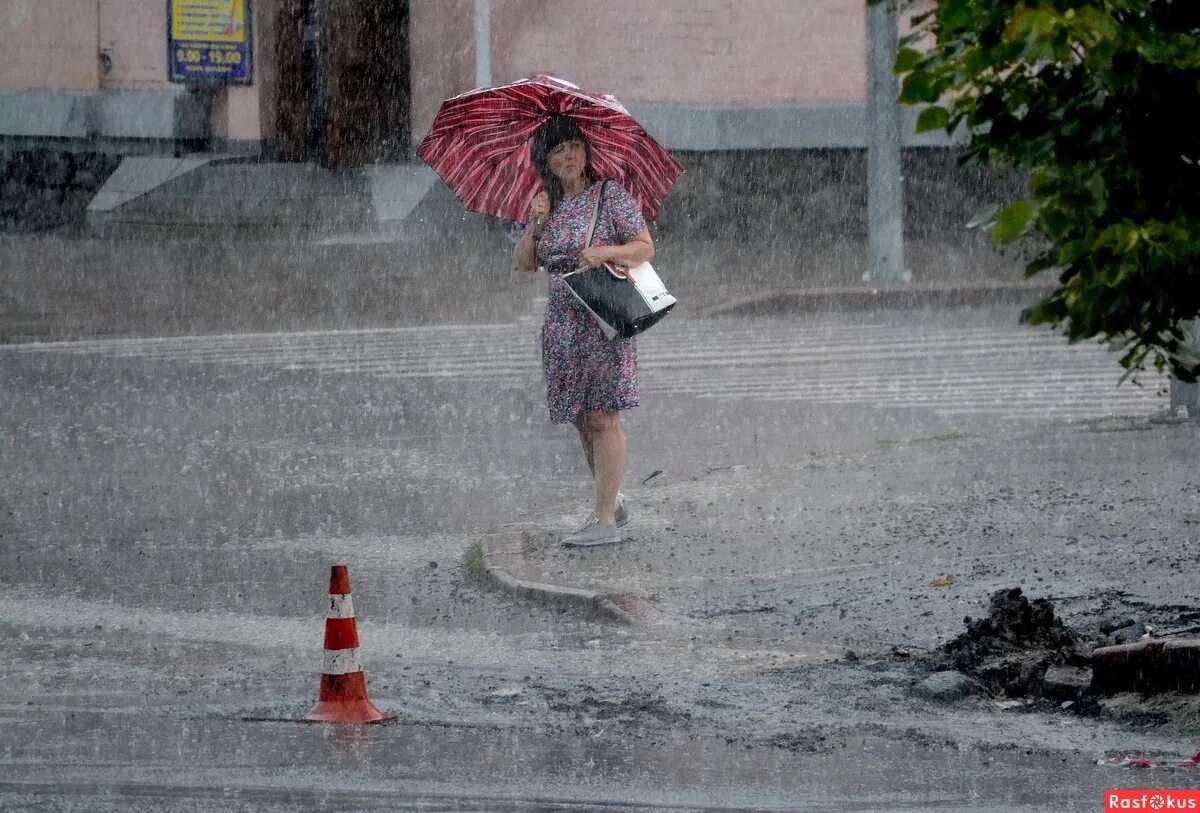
[(593, 533), (621, 514)]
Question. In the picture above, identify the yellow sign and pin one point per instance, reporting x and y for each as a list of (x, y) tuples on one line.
[(208, 20), (210, 41)]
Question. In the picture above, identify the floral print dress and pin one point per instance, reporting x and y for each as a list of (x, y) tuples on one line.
[(585, 371)]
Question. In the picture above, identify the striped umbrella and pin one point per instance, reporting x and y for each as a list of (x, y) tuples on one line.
[(481, 145)]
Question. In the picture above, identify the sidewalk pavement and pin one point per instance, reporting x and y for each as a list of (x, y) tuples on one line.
[(59, 287), (878, 296), (889, 548)]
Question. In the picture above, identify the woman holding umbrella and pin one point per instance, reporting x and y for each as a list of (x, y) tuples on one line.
[(589, 378), (536, 151)]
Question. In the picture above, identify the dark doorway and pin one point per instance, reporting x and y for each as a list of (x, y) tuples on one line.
[(344, 82)]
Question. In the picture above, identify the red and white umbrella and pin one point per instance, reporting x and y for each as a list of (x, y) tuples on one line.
[(480, 143)]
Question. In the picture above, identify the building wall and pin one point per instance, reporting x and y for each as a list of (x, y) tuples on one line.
[(55, 46), (692, 52), (249, 110), (442, 48), (702, 74), (48, 45), (133, 34), (703, 53)]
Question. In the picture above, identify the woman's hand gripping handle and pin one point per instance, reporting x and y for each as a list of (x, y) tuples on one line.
[(526, 250)]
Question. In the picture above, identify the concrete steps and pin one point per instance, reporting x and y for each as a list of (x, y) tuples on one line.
[(198, 194)]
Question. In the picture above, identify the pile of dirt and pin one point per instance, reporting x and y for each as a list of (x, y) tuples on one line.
[(1011, 649), (1023, 650)]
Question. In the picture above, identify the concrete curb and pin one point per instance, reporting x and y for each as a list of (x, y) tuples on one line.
[(594, 604), (863, 297), (1148, 667)]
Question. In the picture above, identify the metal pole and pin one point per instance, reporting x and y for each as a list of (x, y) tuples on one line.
[(1185, 397), (885, 184), (316, 81), (483, 43)]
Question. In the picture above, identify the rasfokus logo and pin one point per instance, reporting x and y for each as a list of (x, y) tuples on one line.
[(1151, 800)]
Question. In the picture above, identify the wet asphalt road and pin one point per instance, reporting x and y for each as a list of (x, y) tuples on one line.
[(166, 535)]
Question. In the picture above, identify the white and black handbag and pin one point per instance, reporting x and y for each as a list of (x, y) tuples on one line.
[(624, 301)]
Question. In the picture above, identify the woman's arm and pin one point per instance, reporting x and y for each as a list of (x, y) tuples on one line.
[(526, 251), (637, 251)]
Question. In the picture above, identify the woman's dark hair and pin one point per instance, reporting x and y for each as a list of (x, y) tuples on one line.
[(558, 130)]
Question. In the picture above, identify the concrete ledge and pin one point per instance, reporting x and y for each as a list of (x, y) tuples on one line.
[(1147, 667), (137, 176), (594, 604), (96, 114), (854, 297), (129, 114), (59, 114), (794, 126), (397, 189)]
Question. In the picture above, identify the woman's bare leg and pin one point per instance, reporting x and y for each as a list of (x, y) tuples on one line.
[(608, 459), (585, 437)]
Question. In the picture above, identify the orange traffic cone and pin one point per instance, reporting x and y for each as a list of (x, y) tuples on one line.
[(343, 697)]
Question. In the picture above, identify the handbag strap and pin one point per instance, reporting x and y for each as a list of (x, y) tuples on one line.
[(587, 241)]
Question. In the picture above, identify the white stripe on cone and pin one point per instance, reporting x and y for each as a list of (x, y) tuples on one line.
[(342, 661), (340, 606)]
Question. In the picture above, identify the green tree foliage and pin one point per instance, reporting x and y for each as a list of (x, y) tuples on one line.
[(1094, 100)]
